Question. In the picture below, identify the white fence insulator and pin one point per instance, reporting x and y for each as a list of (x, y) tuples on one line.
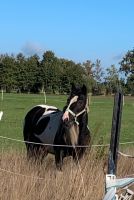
[(112, 184)]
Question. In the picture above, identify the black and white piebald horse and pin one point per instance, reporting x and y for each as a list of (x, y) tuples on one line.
[(61, 131)]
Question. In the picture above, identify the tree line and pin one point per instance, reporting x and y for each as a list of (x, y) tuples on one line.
[(55, 75)]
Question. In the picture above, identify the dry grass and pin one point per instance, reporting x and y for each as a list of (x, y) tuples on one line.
[(82, 182)]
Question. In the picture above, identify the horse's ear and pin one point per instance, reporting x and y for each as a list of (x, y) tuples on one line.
[(84, 89)]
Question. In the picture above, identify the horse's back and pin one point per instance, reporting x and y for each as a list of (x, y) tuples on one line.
[(41, 124), (33, 116)]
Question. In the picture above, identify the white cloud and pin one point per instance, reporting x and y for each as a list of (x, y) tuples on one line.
[(118, 57), (31, 48)]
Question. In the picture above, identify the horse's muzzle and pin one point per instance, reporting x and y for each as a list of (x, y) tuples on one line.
[(68, 123)]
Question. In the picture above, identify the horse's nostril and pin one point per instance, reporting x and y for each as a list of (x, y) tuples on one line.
[(66, 121)]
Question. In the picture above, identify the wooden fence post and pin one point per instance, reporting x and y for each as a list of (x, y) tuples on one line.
[(115, 133), (112, 183)]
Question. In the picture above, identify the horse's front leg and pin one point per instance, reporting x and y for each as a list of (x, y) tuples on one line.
[(59, 159)]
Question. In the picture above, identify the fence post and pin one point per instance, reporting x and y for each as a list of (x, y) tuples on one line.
[(115, 133), (114, 145)]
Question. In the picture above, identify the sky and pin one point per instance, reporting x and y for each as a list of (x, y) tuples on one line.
[(77, 30)]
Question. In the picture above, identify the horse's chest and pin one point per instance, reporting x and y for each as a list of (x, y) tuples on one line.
[(46, 129)]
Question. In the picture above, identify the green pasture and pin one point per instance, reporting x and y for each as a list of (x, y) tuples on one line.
[(15, 107)]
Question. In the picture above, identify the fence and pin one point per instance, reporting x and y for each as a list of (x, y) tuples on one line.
[(112, 183)]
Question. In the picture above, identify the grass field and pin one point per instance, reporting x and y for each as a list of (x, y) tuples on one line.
[(21, 180), (15, 107)]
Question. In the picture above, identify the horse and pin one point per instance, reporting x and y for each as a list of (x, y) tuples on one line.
[(50, 130)]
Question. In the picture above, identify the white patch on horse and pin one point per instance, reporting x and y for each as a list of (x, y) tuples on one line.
[(48, 109), (47, 106)]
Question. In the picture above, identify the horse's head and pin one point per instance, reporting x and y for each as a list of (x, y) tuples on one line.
[(76, 107)]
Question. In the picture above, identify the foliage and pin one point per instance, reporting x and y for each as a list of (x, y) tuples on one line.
[(130, 84), (127, 63), (55, 75), (127, 67), (98, 77), (112, 80), (8, 72), (31, 74)]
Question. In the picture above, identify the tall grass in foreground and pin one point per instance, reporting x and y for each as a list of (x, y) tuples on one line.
[(30, 181)]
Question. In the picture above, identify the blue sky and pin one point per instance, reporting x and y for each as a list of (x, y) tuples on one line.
[(79, 30)]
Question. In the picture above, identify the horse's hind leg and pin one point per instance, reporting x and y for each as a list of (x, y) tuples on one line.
[(31, 153), (36, 153)]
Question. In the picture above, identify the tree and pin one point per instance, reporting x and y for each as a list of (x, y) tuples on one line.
[(89, 78), (21, 73), (98, 76), (112, 79), (127, 66), (50, 72), (7, 71), (97, 71), (32, 67), (127, 63), (130, 84), (88, 65)]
